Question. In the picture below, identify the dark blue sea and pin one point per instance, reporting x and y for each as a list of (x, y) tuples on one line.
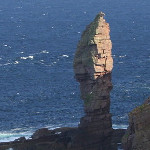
[(38, 39)]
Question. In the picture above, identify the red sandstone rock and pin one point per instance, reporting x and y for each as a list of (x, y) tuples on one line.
[(93, 64)]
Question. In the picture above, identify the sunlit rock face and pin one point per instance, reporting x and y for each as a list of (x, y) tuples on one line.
[(93, 64), (137, 136), (93, 57)]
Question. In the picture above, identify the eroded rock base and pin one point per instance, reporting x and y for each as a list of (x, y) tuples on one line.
[(65, 139)]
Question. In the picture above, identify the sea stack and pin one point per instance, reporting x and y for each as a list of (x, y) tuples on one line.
[(93, 65)]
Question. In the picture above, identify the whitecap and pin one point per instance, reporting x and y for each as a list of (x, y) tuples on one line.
[(120, 126), (28, 57), (31, 57), (24, 58), (46, 52), (16, 62), (123, 56), (65, 56), (11, 136), (16, 129), (120, 62), (6, 64)]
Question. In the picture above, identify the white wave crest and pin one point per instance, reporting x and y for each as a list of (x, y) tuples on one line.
[(65, 56), (122, 56), (11, 136), (16, 62), (45, 52), (28, 57), (120, 126)]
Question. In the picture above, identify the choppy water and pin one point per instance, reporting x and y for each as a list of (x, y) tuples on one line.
[(37, 44)]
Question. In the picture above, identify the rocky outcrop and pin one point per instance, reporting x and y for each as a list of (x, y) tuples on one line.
[(93, 64), (137, 136), (43, 139)]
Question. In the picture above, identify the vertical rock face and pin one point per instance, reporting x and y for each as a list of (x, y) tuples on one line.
[(137, 136), (93, 64), (93, 56)]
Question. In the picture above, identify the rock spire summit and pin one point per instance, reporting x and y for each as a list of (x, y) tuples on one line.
[(93, 55)]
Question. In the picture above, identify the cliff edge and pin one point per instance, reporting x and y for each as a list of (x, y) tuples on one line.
[(137, 136)]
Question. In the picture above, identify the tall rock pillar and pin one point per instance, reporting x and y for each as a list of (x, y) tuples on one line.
[(93, 64)]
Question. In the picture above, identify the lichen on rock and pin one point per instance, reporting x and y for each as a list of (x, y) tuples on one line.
[(93, 64), (93, 55)]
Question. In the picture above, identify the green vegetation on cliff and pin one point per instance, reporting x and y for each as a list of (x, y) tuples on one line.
[(140, 109), (85, 50), (88, 35)]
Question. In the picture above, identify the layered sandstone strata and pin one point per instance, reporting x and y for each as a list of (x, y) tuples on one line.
[(93, 56), (137, 136), (93, 64)]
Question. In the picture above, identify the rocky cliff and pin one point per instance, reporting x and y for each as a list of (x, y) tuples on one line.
[(93, 64), (137, 136)]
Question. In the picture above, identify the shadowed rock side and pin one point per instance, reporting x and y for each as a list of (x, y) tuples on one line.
[(137, 136), (92, 65)]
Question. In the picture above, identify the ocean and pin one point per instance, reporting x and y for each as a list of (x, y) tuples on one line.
[(38, 40)]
